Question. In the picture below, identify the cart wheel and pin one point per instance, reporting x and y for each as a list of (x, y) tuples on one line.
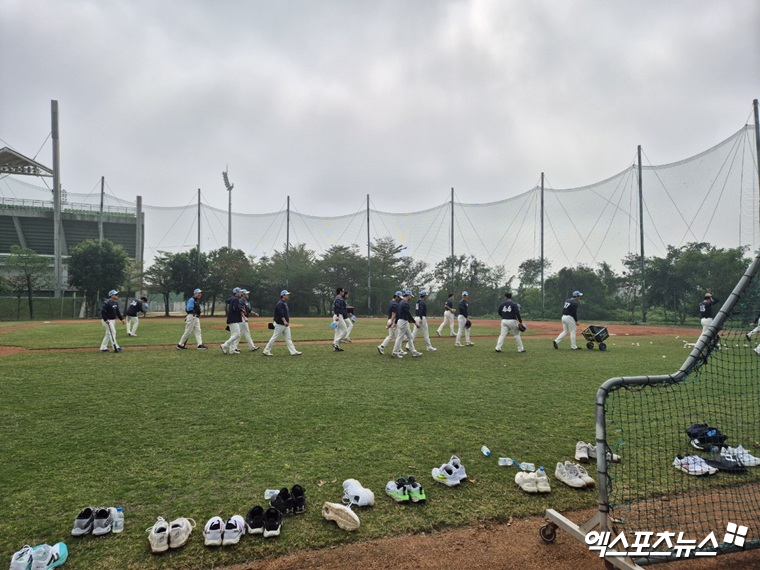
[(590, 345), (602, 346), (548, 533), (609, 565)]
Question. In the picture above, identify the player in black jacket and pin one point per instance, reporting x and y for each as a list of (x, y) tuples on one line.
[(109, 312), (136, 306)]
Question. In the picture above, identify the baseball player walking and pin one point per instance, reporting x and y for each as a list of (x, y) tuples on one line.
[(462, 319), (448, 316), (392, 317), (705, 311), (510, 322), (569, 320), (136, 306), (281, 326), (193, 321), (109, 312), (235, 310), (247, 315), (404, 321), (340, 315), (420, 313)]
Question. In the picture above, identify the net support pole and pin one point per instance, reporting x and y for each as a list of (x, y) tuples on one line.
[(100, 213), (369, 264), (199, 226), (287, 246), (543, 304), (57, 225), (139, 234), (757, 146), (229, 219), (452, 239), (641, 235)]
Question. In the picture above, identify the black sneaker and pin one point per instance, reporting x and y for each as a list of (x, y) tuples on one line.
[(272, 522), (254, 520), (182, 347), (336, 348), (299, 499), (202, 347), (283, 502)]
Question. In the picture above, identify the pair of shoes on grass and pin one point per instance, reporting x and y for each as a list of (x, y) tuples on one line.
[(573, 475), (291, 502), (218, 533), (404, 490), (693, 465), (586, 452), (95, 520), (450, 474), (533, 482), (342, 515), (354, 494), (740, 455), (42, 557), (267, 523), (163, 535)]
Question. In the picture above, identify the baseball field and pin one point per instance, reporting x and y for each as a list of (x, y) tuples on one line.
[(171, 433)]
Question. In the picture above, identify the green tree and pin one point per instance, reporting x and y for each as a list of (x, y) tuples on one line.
[(529, 272), (158, 278), (190, 270), (32, 271), (342, 266), (297, 272), (596, 302), (95, 268), (227, 268)]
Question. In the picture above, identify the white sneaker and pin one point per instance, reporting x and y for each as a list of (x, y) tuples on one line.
[(542, 481), (381, 349), (355, 494), (470, 344), (45, 557), (458, 344), (569, 476), (459, 471), (526, 481), (693, 465), (416, 354), (179, 532), (233, 530), (158, 535), (223, 348), (296, 353), (446, 474), (431, 349), (611, 457), (581, 451), (22, 559), (266, 353), (398, 355), (342, 515), (740, 454), (582, 473), (213, 531)]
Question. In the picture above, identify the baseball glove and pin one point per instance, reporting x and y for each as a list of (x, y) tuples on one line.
[(468, 324), (522, 328)]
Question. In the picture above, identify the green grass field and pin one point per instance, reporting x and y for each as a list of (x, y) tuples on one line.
[(172, 433)]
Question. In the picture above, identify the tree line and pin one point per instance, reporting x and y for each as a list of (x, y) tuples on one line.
[(674, 284)]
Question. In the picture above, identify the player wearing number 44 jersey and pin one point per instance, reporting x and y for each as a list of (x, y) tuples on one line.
[(511, 322), (569, 320)]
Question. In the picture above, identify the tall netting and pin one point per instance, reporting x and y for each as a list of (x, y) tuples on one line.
[(665, 483), (711, 197)]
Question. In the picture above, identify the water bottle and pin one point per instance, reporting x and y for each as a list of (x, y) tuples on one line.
[(527, 466), (118, 521), (270, 494), (485, 451), (506, 461)]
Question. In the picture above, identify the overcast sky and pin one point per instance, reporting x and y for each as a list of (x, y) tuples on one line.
[(327, 101)]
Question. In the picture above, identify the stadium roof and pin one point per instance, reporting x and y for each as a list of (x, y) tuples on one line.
[(12, 162)]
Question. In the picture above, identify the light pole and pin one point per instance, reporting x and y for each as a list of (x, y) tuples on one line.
[(229, 211)]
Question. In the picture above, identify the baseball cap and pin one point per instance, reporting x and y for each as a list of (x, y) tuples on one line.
[(408, 292), (236, 290), (464, 293), (244, 291), (197, 291), (577, 294), (284, 292), (113, 292), (423, 293), (398, 294)]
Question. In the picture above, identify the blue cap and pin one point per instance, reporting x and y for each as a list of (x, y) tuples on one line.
[(113, 292), (408, 292), (577, 294), (244, 291), (284, 292), (236, 290), (197, 291), (423, 293), (464, 293), (398, 294)]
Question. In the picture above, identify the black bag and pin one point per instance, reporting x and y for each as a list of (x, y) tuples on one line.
[(705, 437)]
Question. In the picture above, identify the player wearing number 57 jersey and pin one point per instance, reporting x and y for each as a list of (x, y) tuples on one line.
[(510, 320), (569, 320)]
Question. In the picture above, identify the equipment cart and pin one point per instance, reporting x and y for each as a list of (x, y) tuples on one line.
[(595, 334)]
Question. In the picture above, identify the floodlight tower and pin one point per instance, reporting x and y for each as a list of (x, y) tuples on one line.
[(229, 211)]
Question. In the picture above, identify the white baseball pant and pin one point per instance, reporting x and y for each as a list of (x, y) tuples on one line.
[(281, 331), (110, 336), (448, 319), (568, 326), (462, 321), (192, 324), (510, 326)]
